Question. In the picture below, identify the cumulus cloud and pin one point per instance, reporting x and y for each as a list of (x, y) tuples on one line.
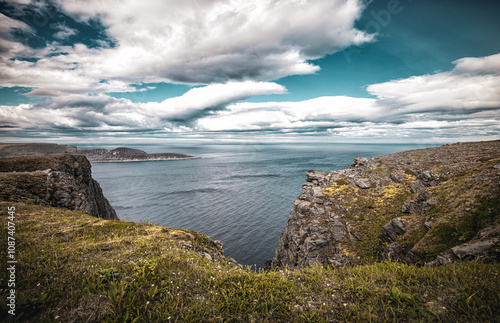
[(101, 111), (438, 105), (320, 112), (234, 48), (474, 84), (203, 42), (191, 42), (202, 100), (468, 96)]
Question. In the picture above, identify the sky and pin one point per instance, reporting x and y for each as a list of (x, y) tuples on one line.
[(243, 70)]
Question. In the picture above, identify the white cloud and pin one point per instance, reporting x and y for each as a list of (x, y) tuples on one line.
[(9, 47), (21, 1), (468, 97), (474, 65), (64, 32), (417, 107), (203, 42), (213, 97), (474, 84), (192, 42), (100, 112), (55, 75), (320, 112)]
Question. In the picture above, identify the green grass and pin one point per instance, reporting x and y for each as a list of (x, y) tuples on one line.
[(76, 268)]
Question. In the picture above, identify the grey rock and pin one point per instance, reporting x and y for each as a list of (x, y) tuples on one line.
[(317, 231), (393, 251), (428, 178), (363, 183), (317, 200), (467, 251), (339, 228), (396, 178), (387, 246), (317, 192), (305, 238), (314, 175), (410, 207), (417, 186), (482, 250), (424, 195), (433, 202), (68, 184), (206, 255), (364, 163), (497, 166), (392, 230)]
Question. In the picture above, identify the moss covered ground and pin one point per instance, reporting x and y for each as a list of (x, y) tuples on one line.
[(76, 268)]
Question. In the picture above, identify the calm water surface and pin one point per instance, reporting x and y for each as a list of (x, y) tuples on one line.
[(238, 194)]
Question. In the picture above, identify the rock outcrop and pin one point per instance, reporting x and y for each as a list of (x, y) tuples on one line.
[(63, 180), (428, 206)]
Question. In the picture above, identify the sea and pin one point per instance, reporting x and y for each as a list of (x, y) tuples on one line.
[(239, 194)]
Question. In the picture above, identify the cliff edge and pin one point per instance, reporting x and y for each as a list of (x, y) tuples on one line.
[(429, 206), (60, 180)]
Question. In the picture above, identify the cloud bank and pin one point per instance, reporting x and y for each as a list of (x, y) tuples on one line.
[(228, 51), (440, 104), (190, 42)]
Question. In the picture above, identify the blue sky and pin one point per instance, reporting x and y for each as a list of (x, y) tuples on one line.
[(332, 71)]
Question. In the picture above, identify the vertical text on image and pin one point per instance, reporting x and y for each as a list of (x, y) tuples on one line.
[(11, 260)]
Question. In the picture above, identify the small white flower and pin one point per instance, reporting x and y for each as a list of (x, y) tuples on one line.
[(147, 303)]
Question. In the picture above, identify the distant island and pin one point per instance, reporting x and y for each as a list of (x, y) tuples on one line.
[(96, 155)]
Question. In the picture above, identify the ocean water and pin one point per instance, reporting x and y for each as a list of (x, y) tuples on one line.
[(238, 194)]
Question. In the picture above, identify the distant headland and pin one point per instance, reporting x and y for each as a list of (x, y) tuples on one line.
[(96, 155)]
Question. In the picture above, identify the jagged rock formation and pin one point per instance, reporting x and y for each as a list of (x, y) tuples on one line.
[(435, 206), (63, 180), (121, 154)]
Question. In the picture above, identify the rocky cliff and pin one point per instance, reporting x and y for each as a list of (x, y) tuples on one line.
[(63, 180), (430, 206)]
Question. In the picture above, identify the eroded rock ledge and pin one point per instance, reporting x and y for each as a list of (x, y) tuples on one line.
[(429, 206), (63, 180)]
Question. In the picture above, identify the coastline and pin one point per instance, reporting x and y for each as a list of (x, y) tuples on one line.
[(139, 160)]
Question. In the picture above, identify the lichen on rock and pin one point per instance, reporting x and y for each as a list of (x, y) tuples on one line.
[(420, 206)]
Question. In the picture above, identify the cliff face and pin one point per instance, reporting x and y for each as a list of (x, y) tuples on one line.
[(63, 180), (433, 206)]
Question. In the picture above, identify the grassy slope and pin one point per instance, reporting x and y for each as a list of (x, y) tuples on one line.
[(73, 267)]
